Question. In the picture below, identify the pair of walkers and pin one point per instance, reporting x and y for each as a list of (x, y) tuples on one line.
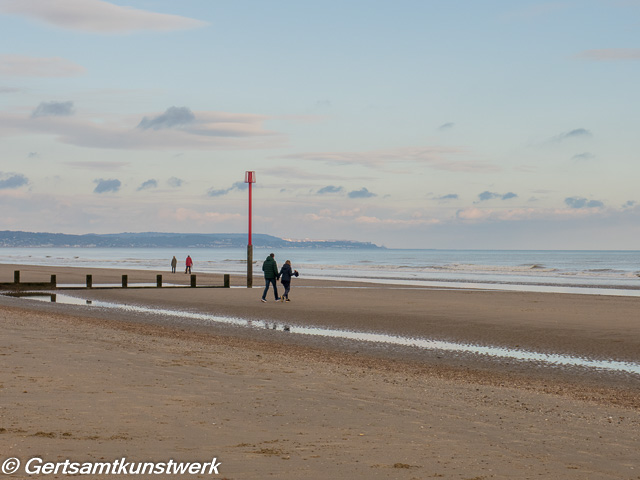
[(271, 274), (188, 264)]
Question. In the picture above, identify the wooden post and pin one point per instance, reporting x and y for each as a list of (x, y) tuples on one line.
[(125, 281), (249, 266), (16, 276), (159, 281), (227, 280), (54, 281), (193, 281), (89, 281)]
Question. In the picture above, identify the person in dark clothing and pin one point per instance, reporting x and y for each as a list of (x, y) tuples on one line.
[(270, 269), (285, 277)]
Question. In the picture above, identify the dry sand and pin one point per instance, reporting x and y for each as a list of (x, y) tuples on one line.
[(87, 384)]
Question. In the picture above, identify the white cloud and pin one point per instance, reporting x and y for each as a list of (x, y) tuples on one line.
[(24, 66), (208, 130), (89, 165), (473, 214), (434, 157), (96, 16), (368, 220)]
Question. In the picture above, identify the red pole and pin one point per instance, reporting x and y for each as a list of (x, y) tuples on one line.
[(249, 213)]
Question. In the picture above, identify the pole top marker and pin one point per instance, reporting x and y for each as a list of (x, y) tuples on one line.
[(249, 177)]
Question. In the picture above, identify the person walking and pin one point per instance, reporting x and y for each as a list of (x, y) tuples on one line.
[(270, 269), (174, 264), (285, 277), (189, 264)]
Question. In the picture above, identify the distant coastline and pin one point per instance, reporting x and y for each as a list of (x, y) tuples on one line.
[(21, 239)]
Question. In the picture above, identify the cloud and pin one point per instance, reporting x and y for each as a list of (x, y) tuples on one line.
[(53, 109), (446, 126), (486, 195), (97, 16), (583, 156), (577, 133), (475, 215), (24, 66), (369, 220), (151, 183), (450, 196), (97, 165), (218, 193), (175, 182), (353, 217), (208, 130), (330, 189), (610, 54), (305, 174), (434, 157), (172, 117), (104, 186), (362, 193), (12, 180), (581, 202), (7, 89)]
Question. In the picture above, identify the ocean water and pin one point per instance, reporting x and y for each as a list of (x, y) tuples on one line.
[(611, 272)]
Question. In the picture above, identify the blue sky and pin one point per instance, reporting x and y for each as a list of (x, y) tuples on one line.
[(410, 124)]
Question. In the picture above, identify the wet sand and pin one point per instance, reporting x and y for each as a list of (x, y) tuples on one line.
[(84, 384)]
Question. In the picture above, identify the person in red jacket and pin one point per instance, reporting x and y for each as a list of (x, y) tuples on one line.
[(189, 264)]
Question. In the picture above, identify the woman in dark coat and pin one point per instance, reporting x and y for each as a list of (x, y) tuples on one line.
[(285, 277)]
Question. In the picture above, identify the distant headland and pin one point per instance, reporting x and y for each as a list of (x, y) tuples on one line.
[(167, 240)]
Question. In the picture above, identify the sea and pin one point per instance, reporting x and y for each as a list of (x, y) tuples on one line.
[(561, 271)]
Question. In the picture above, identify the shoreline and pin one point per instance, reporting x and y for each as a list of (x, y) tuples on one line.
[(578, 273)]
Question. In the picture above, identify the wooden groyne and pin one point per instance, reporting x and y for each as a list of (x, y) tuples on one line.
[(18, 285), (53, 284)]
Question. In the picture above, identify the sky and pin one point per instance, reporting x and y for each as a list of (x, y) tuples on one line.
[(405, 123)]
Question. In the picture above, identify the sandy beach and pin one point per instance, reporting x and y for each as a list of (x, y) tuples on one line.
[(90, 384)]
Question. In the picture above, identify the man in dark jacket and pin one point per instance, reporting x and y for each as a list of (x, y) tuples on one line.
[(270, 269)]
